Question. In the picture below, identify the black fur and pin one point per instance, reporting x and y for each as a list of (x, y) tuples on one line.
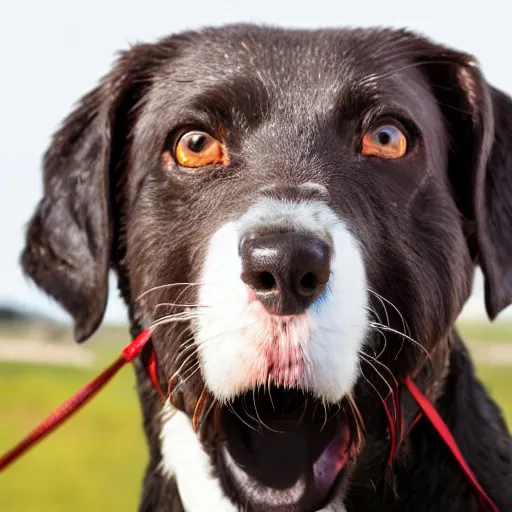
[(291, 106)]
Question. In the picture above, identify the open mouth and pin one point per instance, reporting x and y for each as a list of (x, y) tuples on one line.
[(281, 449)]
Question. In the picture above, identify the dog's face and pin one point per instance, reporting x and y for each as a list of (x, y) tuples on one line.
[(298, 212)]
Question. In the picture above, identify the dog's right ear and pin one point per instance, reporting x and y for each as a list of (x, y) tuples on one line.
[(69, 238)]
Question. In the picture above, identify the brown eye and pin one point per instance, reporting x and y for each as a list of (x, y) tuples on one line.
[(199, 149), (386, 141)]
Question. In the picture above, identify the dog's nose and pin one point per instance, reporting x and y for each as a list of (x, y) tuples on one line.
[(287, 271)]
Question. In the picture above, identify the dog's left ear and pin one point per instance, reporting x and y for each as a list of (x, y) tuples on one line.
[(479, 118)]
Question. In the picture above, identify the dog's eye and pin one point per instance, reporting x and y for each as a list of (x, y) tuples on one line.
[(199, 149), (385, 141)]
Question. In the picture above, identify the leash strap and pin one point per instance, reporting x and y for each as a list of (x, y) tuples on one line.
[(78, 400), (437, 422), (151, 369)]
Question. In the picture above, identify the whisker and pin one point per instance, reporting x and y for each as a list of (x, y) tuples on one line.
[(180, 314), (405, 336), (303, 412), (232, 409), (270, 393), (176, 318), (385, 343), (178, 387), (184, 347), (364, 356), (326, 419), (182, 292), (190, 356), (370, 383), (189, 374), (244, 407), (194, 345), (162, 286), (373, 312), (383, 305), (379, 374), (404, 323), (180, 305), (259, 418)]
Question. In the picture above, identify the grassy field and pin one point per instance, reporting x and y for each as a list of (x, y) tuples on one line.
[(95, 462)]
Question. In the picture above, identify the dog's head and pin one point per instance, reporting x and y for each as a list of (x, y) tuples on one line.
[(299, 212)]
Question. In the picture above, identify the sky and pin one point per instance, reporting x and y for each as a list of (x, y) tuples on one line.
[(54, 51)]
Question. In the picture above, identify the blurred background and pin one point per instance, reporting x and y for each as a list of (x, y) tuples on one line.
[(53, 52)]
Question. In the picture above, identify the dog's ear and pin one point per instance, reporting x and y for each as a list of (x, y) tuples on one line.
[(493, 205), (69, 238), (479, 119)]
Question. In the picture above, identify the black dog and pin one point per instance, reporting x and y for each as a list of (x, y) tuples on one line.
[(300, 213)]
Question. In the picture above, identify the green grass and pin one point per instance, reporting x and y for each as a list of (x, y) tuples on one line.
[(498, 381), (96, 461), (484, 332)]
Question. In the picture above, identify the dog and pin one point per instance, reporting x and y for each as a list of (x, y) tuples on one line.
[(298, 215)]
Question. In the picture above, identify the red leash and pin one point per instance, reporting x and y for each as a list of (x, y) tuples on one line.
[(76, 401), (87, 392), (437, 422)]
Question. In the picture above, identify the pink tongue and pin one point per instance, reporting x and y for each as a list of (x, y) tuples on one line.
[(331, 461)]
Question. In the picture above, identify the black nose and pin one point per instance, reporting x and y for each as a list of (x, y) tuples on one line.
[(287, 271)]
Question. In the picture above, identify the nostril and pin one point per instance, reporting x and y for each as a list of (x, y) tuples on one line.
[(308, 281), (261, 281), (267, 281)]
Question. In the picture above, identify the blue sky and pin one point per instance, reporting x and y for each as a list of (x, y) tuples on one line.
[(54, 51)]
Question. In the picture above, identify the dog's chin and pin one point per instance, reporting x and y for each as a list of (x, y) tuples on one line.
[(282, 450)]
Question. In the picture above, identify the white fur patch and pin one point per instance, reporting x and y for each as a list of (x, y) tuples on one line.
[(231, 332), (184, 459)]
